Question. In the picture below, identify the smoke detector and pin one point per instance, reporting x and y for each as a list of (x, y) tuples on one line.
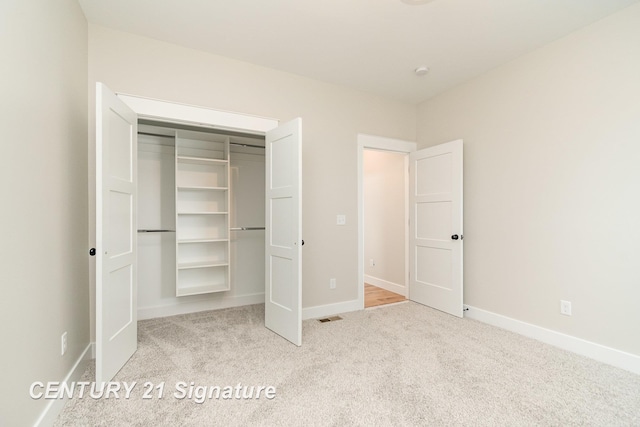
[(421, 70)]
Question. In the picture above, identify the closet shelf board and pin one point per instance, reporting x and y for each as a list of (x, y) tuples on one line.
[(201, 160), (186, 187), (190, 265), (205, 289), (203, 213), (204, 240)]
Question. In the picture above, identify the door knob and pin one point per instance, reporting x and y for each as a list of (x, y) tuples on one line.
[(92, 251), (454, 237)]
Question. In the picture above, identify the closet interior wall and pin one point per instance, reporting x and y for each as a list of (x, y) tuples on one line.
[(157, 215)]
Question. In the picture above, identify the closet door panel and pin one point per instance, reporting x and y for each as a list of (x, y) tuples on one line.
[(116, 239), (283, 206)]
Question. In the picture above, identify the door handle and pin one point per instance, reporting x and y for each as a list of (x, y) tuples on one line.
[(454, 237), (303, 242), (92, 251)]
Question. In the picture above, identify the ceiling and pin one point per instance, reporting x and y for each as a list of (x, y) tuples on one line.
[(369, 45)]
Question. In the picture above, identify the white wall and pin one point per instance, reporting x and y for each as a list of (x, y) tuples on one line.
[(44, 243), (332, 117), (552, 179), (384, 219)]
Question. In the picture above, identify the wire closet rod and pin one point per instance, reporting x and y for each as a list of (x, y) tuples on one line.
[(246, 228), (156, 134), (241, 144), (156, 231)]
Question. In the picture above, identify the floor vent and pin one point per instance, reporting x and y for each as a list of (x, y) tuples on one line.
[(330, 319)]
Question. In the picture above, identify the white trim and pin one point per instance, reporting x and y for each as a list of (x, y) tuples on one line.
[(199, 116), (385, 144), (55, 406), (407, 215), (385, 284), (200, 305), (601, 353), (331, 309)]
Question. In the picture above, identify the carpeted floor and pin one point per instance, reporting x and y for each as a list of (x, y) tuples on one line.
[(404, 364)]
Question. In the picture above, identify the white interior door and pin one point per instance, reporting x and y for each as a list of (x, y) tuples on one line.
[(283, 264), (116, 206), (435, 231)]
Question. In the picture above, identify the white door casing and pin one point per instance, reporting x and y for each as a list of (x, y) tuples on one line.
[(283, 213), (116, 222), (435, 231)]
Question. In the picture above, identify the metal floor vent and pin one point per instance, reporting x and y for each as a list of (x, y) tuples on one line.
[(330, 319)]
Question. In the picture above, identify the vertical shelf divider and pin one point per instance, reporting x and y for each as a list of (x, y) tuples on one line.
[(202, 194)]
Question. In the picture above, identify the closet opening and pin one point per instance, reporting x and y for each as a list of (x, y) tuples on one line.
[(220, 222), (201, 219)]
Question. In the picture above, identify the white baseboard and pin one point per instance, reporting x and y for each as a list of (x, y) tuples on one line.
[(384, 284), (331, 309), (201, 305), (601, 353), (55, 406)]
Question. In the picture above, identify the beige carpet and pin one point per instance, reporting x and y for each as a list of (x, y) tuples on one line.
[(403, 364)]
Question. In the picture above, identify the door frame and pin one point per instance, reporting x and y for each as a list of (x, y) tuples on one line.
[(372, 142), (168, 112)]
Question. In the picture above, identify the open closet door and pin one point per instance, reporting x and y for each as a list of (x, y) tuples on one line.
[(435, 239), (283, 269), (116, 206)]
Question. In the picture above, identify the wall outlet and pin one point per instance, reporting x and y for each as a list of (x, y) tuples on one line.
[(63, 344), (372, 263), (565, 307), (341, 219), (332, 283)]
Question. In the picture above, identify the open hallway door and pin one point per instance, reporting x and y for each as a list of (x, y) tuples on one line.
[(283, 263), (116, 207), (435, 239)]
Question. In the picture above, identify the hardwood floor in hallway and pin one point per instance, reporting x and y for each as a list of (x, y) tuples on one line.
[(374, 296)]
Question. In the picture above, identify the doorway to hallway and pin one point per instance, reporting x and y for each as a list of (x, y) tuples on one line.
[(385, 176)]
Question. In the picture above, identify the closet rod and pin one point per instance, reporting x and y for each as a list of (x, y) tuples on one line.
[(156, 134), (156, 231), (246, 228), (240, 144)]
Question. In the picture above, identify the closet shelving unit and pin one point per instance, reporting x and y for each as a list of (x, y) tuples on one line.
[(202, 214)]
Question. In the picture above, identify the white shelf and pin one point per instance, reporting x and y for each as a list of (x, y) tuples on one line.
[(204, 289), (200, 160), (204, 264), (199, 188), (183, 241), (203, 213)]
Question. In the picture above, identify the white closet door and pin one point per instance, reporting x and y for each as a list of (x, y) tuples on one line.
[(435, 240), (116, 222), (283, 267)]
